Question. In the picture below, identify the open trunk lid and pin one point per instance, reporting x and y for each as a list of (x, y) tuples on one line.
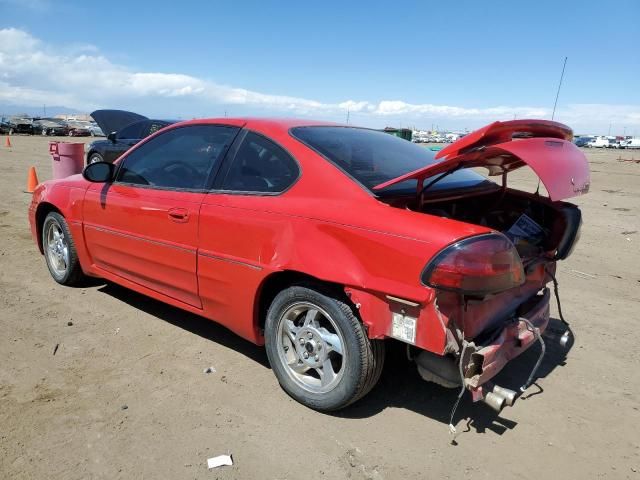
[(502, 147)]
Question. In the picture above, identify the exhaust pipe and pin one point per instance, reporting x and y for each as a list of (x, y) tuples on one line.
[(494, 401), (508, 395), (497, 397)]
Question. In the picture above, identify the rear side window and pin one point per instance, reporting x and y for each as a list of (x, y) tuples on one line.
[(182, 158), (260, 166), (372, 157)]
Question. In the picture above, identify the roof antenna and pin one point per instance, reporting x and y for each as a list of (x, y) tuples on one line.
[(559, 85), (555, 104)]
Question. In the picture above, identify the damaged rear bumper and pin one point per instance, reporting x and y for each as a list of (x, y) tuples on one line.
[(485, 361), (480, 363)]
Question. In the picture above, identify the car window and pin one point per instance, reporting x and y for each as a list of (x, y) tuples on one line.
[(133, 130), (152, 126), (372, 157), (180, 158), (260, 166)]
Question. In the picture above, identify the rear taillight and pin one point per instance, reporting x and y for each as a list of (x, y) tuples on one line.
[(573, 222), (476, 266)]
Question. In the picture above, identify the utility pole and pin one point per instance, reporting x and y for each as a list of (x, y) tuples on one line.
[(559, 85), (348, 112), (609, 134)]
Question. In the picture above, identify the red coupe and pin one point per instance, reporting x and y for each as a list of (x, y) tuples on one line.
[(323, 242)]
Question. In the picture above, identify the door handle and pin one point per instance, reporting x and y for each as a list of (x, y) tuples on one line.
[(179, 215)]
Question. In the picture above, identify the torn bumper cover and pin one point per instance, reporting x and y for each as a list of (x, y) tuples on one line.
[(480, 363), (484, 362)]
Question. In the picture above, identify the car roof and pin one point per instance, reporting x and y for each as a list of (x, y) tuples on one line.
[(262, 123)]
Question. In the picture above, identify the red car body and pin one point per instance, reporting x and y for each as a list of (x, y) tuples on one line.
[(223, 255)]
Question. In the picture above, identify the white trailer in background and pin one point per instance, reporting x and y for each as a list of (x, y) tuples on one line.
[(599, 142), (632, 143)]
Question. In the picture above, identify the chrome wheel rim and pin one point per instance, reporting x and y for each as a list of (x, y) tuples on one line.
[(57, 249), (311, 347)]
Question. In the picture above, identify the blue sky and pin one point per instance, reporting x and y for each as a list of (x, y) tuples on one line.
[(407, 63)]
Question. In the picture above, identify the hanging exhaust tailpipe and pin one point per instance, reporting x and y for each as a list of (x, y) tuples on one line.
[(508, 395), (494, 401), (497, 397)]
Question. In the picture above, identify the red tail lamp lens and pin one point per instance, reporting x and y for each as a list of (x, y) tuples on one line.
[(476, 266)]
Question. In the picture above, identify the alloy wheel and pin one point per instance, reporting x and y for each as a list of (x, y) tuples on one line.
[(311, 347), (57, 249)]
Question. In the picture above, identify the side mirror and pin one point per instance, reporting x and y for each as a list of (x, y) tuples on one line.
[(99, 172), (112, 137)]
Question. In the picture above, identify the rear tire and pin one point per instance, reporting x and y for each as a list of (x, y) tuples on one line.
[(319, 350), (60, 251)]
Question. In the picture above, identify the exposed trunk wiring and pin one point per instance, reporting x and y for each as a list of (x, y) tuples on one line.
[(452, 428), (557, 295), (536, 332)]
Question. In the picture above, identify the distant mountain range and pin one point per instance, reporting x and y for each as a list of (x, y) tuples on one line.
[(48, 111)]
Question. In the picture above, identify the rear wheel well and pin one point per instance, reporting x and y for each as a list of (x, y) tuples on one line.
[(43, 210), (278, 281)]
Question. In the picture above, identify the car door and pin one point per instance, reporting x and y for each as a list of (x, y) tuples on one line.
[(238, 228), (143, 227)]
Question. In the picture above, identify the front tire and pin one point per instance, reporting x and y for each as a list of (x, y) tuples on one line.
[(60, 251), (95, 157), (319, 350)]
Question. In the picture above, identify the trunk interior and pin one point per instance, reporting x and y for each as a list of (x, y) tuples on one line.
[(535, 225)]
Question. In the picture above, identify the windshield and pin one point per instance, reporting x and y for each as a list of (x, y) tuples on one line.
[(372, 157)]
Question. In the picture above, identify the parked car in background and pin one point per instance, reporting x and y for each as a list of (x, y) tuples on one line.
[(95, 130), (123, 129), (78, 129), (582, 141), (50, 127), (4, 126), (326, 242), (20, 125)]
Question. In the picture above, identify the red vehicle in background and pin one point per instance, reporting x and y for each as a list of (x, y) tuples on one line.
[(324, 242), (77, 129)]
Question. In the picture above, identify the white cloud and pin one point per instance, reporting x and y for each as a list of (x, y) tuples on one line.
[(78, 76)]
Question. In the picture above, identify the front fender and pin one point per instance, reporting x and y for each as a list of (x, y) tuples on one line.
[(65, 196)]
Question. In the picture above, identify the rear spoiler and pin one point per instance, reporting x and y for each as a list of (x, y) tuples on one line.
[(500, 132)]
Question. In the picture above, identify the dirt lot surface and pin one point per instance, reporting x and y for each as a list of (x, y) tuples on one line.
[(125, 395)]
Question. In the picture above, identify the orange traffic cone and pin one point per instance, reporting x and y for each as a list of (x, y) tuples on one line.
[(32, 180), (7, 143)]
